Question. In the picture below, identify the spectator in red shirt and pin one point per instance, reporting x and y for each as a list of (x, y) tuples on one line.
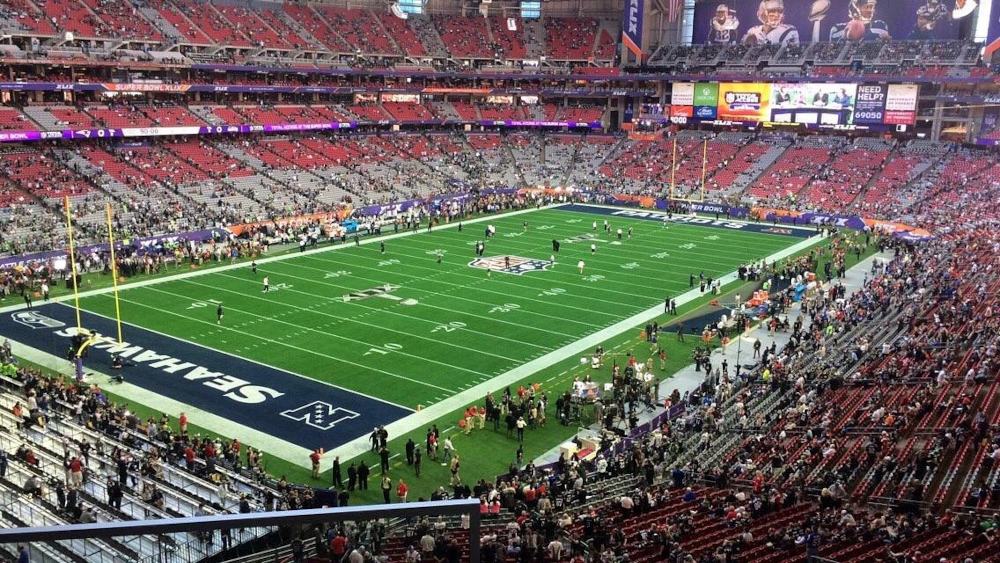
[(189, 458), (402, 490), (76, 472)]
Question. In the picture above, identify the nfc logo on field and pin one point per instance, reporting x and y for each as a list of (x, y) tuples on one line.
[(32, 319), (318, 414), (517, 265)]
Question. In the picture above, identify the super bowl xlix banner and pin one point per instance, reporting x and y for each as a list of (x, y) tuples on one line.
[(632, 26), (786, 22)]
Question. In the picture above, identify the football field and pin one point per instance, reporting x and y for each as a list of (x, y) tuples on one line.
[(349, 337)]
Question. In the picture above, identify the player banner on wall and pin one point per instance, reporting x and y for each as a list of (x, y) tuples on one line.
[(993, 35), (785, 22)]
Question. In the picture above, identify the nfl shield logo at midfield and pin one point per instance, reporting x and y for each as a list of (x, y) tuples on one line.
[(511, 264)]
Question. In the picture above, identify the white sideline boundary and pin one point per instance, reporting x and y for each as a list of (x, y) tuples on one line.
[(465, 398)]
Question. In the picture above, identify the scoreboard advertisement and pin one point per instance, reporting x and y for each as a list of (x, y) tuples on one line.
[(815, 105)]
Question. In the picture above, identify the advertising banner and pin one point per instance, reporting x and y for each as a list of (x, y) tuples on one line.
[(807, 21), (706, 94), (682, 94), (901, 104), (681, 111), (632, 26), (869, 105), (744, 102)]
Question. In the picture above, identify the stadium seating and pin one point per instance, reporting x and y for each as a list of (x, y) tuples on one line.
[(120, 19), (42, 174), (182, 17), (219, 26), (402, 35), (842, 182), (360, 28), (786, 178), (407, 111), (119, 116), (70, 15), (317, 27), (465, 36), (510, 44), (28, 16), (571, 38), (12, 119)]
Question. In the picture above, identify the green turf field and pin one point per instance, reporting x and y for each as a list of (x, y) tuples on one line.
[(441, 328)]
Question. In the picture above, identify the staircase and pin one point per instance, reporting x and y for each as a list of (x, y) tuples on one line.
[(428, 35), (763, 164), (159, 22), (534, 38)]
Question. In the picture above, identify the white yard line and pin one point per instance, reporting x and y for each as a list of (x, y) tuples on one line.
[(280, 343), (583, 346), (287, 256)]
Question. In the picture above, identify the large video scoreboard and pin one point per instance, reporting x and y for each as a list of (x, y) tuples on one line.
[(814, 105)]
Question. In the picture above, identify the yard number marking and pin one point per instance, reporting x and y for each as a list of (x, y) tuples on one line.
[(450, 327), (505, 308), (206, 303), (384, 349)]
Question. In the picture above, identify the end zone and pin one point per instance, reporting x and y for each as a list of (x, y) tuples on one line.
[(276, 403)]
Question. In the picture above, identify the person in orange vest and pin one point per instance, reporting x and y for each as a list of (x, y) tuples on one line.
[(183, 424), (401, 490)]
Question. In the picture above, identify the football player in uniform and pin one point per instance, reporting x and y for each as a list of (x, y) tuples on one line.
[(863, 25), (772, 29), (927, 18), (724, 26)]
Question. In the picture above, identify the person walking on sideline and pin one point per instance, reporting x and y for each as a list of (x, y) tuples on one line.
[(401, 491)]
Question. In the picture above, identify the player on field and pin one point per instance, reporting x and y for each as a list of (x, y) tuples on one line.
[(595, 225), (382, 247), (593, 249), (253, 266), (630, 232), (218, 314), (619, 232), (267, 285), (525, 226), (580, 265)]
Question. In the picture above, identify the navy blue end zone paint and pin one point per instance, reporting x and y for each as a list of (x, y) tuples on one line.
[(783, 230), (295, 409)]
